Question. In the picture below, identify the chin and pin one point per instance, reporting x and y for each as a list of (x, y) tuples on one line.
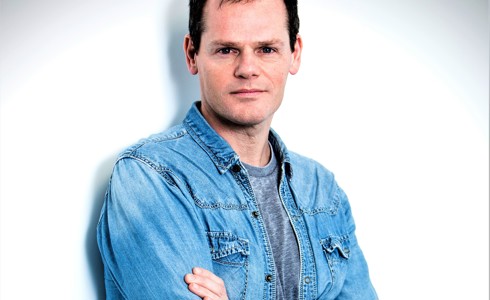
[(249, 121)]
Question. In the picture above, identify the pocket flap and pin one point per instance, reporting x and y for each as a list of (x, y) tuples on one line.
[(224, 244), (341, 243)]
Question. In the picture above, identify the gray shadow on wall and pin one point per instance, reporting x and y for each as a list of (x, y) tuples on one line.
[(102, 176), (185, 84)]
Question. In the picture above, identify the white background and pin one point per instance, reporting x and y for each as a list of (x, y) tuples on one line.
[(392, 96)]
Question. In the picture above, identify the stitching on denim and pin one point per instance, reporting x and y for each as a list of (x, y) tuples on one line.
[(221, 234), (164, 172), (155, 139), (170, 136), (245, 267), (335, 264), (333, 242), (201, 143), (246, 189), (228, 263), (215, 205), (220, 253), (340, 238), (308, 257), (245, 288), (333, 209), (314, 211), (248, 192), (240, 246), (312, 263), (305, 256)]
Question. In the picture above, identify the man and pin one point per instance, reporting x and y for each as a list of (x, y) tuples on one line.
[(217, 207)]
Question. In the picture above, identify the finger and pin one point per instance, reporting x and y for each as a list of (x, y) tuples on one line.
[(209, 280), (202, 292), (206, 273), (204, 283), (203, 286)]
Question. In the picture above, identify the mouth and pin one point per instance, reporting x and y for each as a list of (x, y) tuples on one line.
[(247, 92)]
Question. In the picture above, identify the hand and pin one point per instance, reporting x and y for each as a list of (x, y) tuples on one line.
[(206, 285)]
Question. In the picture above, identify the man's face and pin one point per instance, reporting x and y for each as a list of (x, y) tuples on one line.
[(243, 61)]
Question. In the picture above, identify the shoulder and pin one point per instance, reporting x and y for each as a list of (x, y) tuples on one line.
[(158, 148), (305, 167), (154, 142), (171, 151), (317, 186)]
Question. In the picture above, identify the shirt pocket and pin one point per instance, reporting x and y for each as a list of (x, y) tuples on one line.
[(230, 255), (337, 252)]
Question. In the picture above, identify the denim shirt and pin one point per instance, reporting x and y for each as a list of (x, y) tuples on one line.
[(182, 198)]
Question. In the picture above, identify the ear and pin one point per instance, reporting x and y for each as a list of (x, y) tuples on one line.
[(190, 54), (296, 56)]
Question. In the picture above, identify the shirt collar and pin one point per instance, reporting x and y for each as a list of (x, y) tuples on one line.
[(281, 151), (220, 152)]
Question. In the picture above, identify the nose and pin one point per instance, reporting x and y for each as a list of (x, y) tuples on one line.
[(248, 65)]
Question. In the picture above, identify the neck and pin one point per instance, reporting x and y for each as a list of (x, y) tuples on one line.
[(251, 143), (253, 149)]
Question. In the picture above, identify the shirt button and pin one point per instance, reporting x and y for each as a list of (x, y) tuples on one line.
[(268, 278), (236, 168), (255, 214), (307, 280)]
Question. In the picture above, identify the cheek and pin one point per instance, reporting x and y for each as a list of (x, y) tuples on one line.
[(279, 80), (213, 77), (212, 87)]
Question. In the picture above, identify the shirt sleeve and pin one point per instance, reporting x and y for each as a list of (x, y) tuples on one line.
[(149, 234), (357, 284)]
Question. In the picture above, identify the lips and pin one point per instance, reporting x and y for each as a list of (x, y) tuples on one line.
[(247, 92)]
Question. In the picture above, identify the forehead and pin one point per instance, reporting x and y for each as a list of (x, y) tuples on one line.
[(245, 19)]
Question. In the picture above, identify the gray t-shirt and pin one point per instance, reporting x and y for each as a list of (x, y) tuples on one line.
[(285, 251)]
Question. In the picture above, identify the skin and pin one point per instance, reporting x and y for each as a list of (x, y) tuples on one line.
[(206, 285), (243, 64)]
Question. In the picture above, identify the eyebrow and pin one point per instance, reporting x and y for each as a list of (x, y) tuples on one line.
[(222, 43), (219, 43)]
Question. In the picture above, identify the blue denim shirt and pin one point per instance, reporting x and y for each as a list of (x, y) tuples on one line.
[(182, 198)]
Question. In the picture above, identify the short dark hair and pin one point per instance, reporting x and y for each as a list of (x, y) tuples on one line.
[(196, 20)]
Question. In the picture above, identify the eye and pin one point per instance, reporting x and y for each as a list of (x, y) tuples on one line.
[(267, 50), (227, 50)]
